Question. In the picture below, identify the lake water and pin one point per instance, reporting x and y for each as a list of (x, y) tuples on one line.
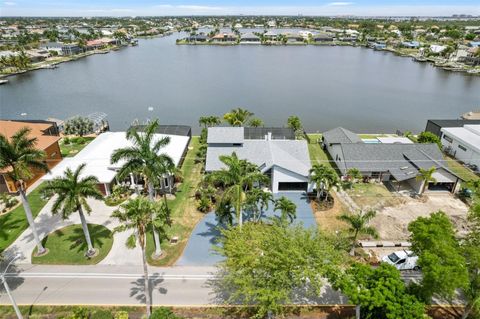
[(357, 88)]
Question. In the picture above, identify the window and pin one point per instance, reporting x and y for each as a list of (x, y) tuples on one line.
[(165, 181), (375, 175), (447, 138), (463, 148)]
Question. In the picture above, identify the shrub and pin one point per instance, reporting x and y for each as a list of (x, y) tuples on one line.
[(8, 200), (80, 313), (79, 126), (81, 140), (163, 313), (101, 314), (66, 140), (204, 204), (121, 315)]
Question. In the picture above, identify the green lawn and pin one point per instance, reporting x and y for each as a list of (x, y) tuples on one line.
[(14, 223), (184, 212), (67, 246), (460, 170), (317, 154), (69, 150)]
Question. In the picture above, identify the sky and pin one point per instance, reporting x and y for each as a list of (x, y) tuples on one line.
[(230, 7)]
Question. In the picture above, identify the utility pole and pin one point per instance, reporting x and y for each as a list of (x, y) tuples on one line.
[(7, 288)]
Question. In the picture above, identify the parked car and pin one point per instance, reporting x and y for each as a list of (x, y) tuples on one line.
[(402, 260)]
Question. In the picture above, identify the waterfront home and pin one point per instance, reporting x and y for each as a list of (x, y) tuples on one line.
[(379, 46), (293, 38), (36, 55), (224, 37), (97, 154), (283, 159), (270, 35), (197, 38), (474, 44), (435, 48), (306, 34), (47, 136), (435, 126), (347, 39), (397, 163), (410, 44), (71, 49), (249, 37), (323, 37), (463, 143)]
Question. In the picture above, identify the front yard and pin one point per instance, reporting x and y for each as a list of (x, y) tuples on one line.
[(184, 211), (70, 146), (12, 224), (373, 195)]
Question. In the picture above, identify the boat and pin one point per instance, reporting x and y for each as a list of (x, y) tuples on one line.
[(3, 82), (420, 59), (476, 71), (50, 66)]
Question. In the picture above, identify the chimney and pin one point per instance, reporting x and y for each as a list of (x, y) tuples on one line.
[(269, 136)]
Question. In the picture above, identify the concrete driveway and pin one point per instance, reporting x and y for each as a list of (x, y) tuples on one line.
[(199, 252), (47, 223)]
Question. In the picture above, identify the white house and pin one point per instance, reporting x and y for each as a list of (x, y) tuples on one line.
[(97, 154), (285, 160), (463, 143)]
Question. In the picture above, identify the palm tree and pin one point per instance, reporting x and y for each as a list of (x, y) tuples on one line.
[(354, 174), (19, 155), (325, 178), (294, 123), (426, 176), (287, 209), (72, 192), (238, 117), (256, 122), (208, 121), (358, 225), (140, 214), (257, 201), (144, 158), (238, 176)]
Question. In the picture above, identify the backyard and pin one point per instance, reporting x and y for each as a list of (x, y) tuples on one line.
[(70, 146), (317, 154), (183, 209)]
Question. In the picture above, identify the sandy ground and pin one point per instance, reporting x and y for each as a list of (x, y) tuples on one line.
[(392, 222), (327, 220)]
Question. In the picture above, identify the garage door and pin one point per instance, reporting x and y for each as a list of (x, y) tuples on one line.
[(292, 186)]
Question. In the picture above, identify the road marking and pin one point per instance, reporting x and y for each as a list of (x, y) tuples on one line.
[(107, 276)]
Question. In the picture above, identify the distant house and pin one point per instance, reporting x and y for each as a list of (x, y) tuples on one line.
[(379, 46), (323, 37), (224, 37), (249, 38), (474, 44), (283, 159), (293, 38), (52, 46), (435, 48), (197, 38), (71, 49), (396, 163), (270, 35), (463, 143), (97, 155), (47, 140), (410, 44)]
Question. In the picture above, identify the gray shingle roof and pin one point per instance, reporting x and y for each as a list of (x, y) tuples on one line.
[(222, 135), (289, 154), (402, 160), (340, 135)]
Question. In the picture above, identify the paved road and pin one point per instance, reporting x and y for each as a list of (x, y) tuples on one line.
[(108, 285)]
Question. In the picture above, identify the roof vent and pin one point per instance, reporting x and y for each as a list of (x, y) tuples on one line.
[(404, 168)]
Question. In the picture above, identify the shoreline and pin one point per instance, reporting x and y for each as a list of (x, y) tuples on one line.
[(443, 64)]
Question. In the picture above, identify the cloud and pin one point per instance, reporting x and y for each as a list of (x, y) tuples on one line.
[(9, 3), (340, 4)]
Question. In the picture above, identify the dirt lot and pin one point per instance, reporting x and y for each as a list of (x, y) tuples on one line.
[(327, 219), (392, 222)]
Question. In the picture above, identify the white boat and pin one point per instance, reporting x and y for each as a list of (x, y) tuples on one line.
[(3, 82)]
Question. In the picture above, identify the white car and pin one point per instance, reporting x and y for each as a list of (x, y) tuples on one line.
[(402, 260)]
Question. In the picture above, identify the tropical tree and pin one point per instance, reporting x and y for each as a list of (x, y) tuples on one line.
[(287, 208), (429, 137), (209, 121), (325, 179), (237, 117), (354, 174), (426, 176), (236, 178), (144, 158), (72, 192), (140, 214), (257, 201), (256, 122), (294, 123), (358, 225), (19, 156), (78, 125)]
